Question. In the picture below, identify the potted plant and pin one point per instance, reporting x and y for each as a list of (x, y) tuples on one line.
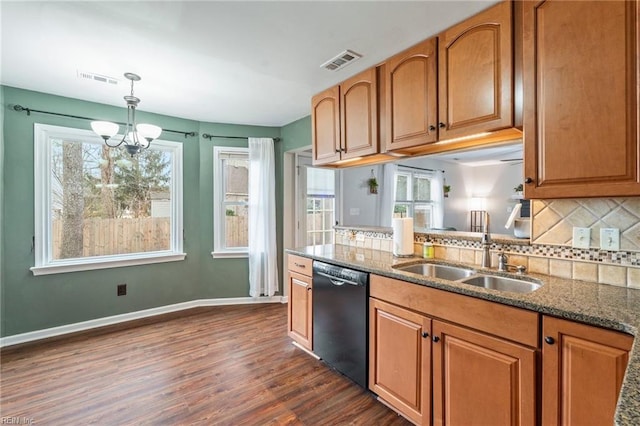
[(518, 191), (372, 182), (446, 189)]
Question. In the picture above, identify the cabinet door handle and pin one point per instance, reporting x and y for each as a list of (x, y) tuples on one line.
[(300, 265), (337, 150), (425, 334), (549, 340), (432, 128), (528, 180), (436, 339), (442, 125)]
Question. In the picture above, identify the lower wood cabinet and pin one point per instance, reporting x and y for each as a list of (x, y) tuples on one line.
[(400, 359), (480, 379), (300, 308), (582, 372), (433, 371), (446, 359)]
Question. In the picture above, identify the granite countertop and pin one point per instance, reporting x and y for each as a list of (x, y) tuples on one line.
[(616, 308)]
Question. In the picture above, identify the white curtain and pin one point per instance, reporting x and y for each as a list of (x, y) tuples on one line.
[(388, 196), (437, 197), (263, 255)]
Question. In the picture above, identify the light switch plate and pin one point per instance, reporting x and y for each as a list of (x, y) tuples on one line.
[(610, 239), (581, 237)]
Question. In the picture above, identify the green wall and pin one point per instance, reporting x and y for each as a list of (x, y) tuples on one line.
[(31, 303)]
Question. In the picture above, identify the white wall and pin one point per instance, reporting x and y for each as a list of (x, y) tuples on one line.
[(495, 183), (358, 206)]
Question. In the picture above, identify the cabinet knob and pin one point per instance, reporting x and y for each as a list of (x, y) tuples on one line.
[(550, 340), (432, 128), (528, 180), (442, 125), (425, 334), (436, 339)]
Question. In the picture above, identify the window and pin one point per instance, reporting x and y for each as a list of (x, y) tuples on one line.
[(414, 198), (320, 206), (230, 202), (97, 207)]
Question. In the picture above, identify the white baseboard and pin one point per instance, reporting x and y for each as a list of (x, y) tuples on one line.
[(116, 319)]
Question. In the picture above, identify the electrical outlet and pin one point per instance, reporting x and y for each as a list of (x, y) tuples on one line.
[(610, 239), (360, 237), (122, 289), (581, 237), (354, 211)]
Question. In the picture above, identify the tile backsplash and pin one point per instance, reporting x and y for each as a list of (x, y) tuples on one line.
[(553, 220), (549, 251)]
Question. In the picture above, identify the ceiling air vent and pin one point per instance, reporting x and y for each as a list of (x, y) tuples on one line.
[(97, 77), (341, 60)]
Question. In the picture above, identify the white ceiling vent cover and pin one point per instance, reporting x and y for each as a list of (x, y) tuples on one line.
[(341, 60), (97, 77)]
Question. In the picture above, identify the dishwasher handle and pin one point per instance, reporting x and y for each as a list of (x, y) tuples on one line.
[(335, 281)]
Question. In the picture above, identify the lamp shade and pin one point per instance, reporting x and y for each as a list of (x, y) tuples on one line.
[(104, 129), (148, 131)]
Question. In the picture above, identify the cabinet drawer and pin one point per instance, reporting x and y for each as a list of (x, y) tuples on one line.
[(518, 325), (301, 265)]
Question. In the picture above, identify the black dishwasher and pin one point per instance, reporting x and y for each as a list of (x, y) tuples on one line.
[(340, 319)]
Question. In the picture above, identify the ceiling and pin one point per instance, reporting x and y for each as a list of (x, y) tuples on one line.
[(227, 62)]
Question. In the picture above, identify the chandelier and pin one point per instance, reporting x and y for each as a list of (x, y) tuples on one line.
[(136, 136)]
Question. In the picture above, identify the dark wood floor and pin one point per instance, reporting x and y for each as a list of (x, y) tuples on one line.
[(226, 365)]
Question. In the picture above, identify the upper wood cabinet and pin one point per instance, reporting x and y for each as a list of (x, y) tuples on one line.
[(476, 74), (582, 372), (581, 99), (344, 120), (325, 126), (410, 97)]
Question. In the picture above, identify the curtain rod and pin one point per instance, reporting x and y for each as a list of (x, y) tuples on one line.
[(20, 108), (208, 136), (420, 168)]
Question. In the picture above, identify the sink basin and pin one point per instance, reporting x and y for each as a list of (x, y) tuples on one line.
[(502, 283), (451, 273)]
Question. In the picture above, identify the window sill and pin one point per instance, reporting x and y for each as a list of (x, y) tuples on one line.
[(113, 262), (229, 254)]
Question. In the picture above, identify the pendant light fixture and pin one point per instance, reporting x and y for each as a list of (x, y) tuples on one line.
[(136, 136)]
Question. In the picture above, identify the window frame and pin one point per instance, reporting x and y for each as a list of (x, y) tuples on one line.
[(219, 249), (411, 202), (43, 249)]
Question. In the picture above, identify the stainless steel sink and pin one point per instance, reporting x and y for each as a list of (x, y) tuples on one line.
[(502, 283), (451, 273)]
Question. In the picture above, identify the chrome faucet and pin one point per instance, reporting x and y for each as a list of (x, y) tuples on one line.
[(503, 266), (486, 243)]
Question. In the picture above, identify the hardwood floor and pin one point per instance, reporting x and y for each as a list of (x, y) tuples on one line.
[(225, 365)]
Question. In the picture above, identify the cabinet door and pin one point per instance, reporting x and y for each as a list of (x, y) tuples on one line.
[(359, 115), (581, 99), (300, 309), (475, 77), (482, 380), (582, 372), (411, 97), (325, 126), (400, 359)]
